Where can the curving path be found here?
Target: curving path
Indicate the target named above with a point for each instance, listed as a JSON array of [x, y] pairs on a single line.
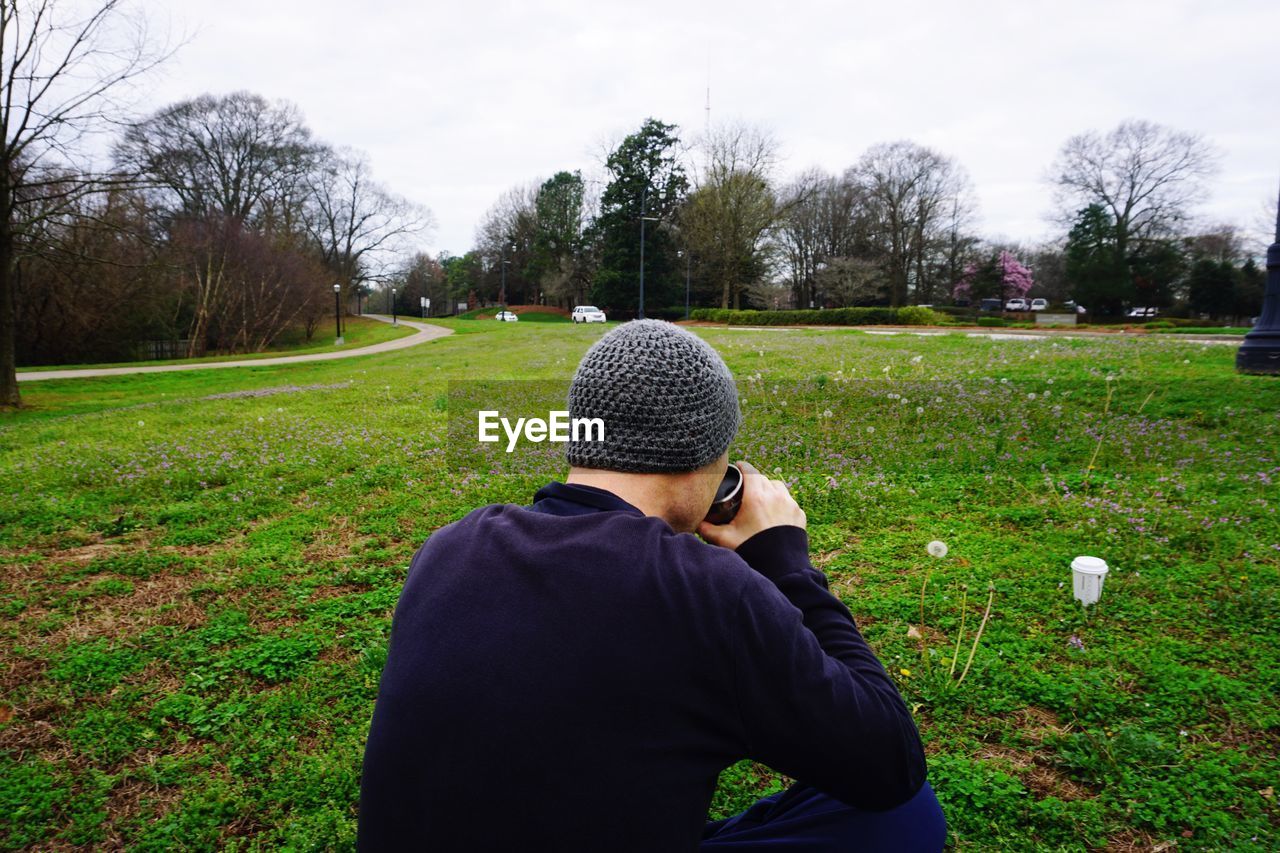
[[425, 333]]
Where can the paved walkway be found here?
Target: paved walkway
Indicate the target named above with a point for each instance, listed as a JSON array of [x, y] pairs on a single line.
[[425, 333], [977, 332]]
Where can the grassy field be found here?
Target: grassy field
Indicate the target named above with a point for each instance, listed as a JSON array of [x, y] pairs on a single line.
[[201, 567], [357, 332]]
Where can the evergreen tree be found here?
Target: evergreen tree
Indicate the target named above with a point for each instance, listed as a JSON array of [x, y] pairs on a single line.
[[1096, 270], [1212, 287], [647, 180]]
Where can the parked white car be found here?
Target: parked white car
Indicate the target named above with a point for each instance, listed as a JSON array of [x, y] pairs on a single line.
[[1039, 304], [587, 314], [506, 317], [1143, 312], [1018, 304]]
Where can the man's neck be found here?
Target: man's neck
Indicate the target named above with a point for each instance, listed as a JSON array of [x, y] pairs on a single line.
[[657, 495]]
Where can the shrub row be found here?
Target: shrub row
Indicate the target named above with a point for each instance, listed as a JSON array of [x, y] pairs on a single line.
[[909, 316]]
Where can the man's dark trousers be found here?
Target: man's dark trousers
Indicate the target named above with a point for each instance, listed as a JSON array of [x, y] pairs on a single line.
[[804, 820]]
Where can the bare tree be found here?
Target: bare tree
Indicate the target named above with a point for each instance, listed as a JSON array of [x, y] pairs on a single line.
[[1145, 175], [61, 69], [506, 237], [233, 156], [216, 165], [823, 221], [357, 225], [733, 207], [909, 192], [851, 281]]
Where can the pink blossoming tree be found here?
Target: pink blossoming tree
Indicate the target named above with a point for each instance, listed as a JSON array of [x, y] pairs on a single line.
[[1000, 275]]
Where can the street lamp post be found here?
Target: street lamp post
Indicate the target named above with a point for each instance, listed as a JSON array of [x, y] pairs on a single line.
[[643, 220], [393, 306], [337, 314], [688, 272], [502, 297], [1260, 352]]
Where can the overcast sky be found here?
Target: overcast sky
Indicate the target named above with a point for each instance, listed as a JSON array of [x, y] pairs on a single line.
[[456, 102]]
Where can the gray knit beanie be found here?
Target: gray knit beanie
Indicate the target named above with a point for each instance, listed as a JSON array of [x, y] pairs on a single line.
[[666, 398]]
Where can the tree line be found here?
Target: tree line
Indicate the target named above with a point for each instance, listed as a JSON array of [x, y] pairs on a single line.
[[215, 224], [226, 225], [897, 227]]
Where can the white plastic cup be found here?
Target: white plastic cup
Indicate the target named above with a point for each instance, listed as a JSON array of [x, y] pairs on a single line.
[[1087, 575]]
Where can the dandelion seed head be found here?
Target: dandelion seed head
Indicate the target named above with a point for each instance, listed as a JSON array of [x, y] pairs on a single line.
[[937, 548]]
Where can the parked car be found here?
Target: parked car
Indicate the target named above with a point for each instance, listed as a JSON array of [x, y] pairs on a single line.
[[1039, 304], [1017, 304], [989, 305], [1079, 309], [587, 314], [506, 317], [1143, 312]]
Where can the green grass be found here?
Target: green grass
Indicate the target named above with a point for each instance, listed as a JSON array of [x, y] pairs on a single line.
[[198, 588], [1205, 330], [357, 332], [530, 317], [543, 317]]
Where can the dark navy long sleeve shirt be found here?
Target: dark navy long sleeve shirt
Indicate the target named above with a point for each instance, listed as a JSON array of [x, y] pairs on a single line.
[[574, 675]]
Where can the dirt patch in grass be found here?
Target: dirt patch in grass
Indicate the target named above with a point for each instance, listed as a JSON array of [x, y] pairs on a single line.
[[20, 571], [1133, 841], [334, 543], [32, 733], [160, 600], [1045, 781], [133, 794], [17, 671], [1037, 724]]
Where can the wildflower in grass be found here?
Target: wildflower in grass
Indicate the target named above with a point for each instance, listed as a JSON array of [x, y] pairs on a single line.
[[919, 410], [936, 548], [1076, 643], [826, 413], [871, 429], [917, 359], [906, 672], [1031, 395]]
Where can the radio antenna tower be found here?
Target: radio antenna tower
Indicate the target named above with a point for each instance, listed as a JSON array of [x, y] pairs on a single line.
[[708, 127]]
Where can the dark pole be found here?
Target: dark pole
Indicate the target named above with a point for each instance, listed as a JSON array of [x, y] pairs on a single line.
[[643, 191], [1260, 352], [688, 271], [337, 315], [393, 306]]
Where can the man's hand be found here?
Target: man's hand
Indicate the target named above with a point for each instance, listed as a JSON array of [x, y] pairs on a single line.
[[765, 503]]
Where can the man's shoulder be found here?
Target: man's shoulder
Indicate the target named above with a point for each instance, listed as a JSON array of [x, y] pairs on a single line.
[[625, 536]]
